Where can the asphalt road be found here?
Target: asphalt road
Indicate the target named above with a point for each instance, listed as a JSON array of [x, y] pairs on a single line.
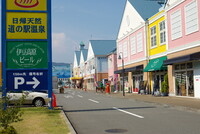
[[92, 113]]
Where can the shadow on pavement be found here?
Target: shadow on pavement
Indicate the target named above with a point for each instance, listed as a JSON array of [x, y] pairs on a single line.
[[104, 109]]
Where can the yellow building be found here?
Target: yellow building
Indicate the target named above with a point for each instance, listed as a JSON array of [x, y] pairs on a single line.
[[156, 50]]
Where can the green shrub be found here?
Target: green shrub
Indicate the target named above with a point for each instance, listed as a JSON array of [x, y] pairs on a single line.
[[9, 115], [165, 85]]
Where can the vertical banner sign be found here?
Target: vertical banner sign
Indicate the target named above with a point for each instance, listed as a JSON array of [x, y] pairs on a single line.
[[26, 46]]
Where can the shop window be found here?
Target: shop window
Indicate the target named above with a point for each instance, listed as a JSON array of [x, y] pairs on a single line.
[[189, 65], [190, 83], [177, 67], [183, 66]]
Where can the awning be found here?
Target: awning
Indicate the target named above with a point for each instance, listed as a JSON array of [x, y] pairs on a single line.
[[136, 68], [76, 78], [190, 57], [156, 64], [118, 71]]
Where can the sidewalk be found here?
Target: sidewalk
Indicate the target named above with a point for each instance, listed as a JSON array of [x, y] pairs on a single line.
[[189, 103]]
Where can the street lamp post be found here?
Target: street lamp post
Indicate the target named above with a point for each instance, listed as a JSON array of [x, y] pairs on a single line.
[[122, 58]]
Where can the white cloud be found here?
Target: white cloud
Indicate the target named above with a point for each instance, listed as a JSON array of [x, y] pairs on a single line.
[[61, 49]]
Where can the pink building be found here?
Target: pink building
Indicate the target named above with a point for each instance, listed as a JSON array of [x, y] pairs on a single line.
[[131, 43], [183, 22], [112, 67]]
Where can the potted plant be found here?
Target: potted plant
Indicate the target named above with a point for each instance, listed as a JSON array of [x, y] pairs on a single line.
[[165, 86]]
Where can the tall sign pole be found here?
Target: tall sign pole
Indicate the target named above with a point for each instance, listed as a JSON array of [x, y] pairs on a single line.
[[26, 46]]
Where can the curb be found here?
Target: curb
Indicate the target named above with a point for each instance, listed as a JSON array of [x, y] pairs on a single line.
[[72, 131]]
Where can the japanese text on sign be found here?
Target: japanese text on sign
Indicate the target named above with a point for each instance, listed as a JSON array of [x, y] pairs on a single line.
[[26, 26]]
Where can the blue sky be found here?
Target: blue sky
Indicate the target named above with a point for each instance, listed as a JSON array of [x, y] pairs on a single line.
[[74, 21]]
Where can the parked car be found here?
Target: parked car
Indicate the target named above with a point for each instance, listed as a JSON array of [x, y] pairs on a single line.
[[37, 99]]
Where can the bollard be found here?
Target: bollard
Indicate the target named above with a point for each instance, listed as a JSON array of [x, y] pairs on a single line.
[[54, 100]]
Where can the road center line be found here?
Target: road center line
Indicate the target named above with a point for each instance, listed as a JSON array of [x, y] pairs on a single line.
[[68, 96], [128, 112], [80, 96], [93, 101]]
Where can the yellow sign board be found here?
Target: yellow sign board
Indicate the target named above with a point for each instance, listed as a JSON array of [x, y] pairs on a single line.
[[26, 25], [38, 5]]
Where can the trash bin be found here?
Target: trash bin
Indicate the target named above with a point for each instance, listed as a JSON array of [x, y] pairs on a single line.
[[61, 90]]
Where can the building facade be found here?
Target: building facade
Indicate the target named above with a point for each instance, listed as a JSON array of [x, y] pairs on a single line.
[[131, 43], [97, 62], [156, 46], [183, 22]]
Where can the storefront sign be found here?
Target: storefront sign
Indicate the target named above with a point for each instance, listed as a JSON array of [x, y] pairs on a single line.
[[40, 5], [27, 80], [26, 26], [26, 55]]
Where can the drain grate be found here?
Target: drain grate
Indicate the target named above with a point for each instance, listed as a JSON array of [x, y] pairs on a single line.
[[116, 130]]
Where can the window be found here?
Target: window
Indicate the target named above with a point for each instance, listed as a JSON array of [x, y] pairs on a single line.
[[162, 32], [133, 45], [153, 36], [125, 50], [139, 42], [119, 48], [176, 31], [191, 17]]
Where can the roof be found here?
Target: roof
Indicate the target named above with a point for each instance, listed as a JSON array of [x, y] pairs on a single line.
[[146, 8], [113, 51], [103, 47], [60, 64], [85, 51], [78, 54]]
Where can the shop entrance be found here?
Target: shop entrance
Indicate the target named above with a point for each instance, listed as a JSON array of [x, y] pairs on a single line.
[[136, 82], [158, 78]]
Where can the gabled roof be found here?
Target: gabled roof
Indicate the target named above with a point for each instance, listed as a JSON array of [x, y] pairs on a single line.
[[102, 47], [78, 54], [146, 8], [113, 51], [84, 52]]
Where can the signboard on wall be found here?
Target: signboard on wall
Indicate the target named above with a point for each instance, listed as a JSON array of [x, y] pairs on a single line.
[[26, 45]]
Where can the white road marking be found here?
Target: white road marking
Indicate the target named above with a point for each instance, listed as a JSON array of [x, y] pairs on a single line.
[[68, 96], [128, 112], [93, 101], [80, 96]]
